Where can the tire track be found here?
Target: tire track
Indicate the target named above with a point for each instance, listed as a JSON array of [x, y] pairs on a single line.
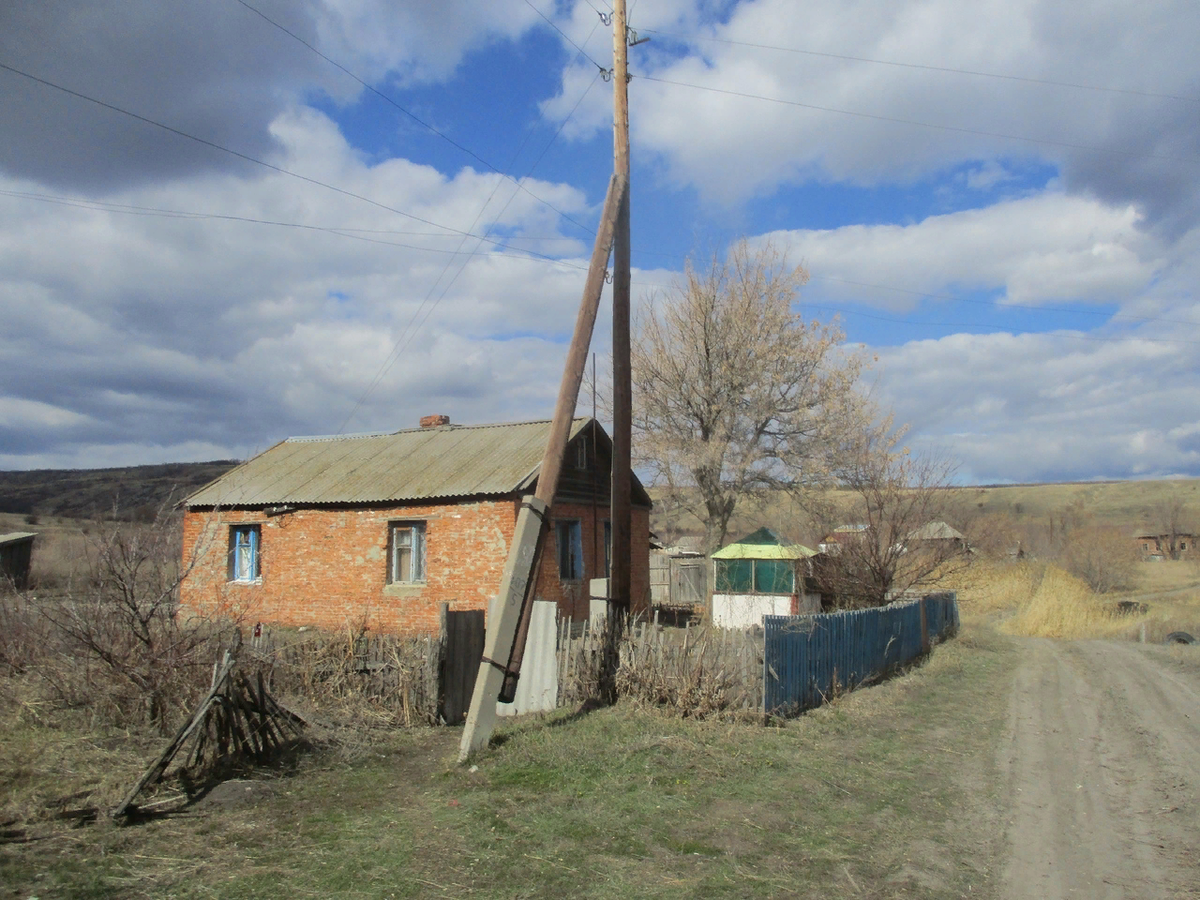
[[1101, 762]]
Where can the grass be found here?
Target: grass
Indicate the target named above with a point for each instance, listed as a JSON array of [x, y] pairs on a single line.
[[888, 792]]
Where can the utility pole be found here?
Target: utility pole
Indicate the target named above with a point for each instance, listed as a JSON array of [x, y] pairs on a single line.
[[619, 576], [508, 621]]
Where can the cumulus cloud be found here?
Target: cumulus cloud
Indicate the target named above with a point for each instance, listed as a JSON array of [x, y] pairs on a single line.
[[217, 71], [847, 119], [1046, 248], [1040, 407], [226, 333]]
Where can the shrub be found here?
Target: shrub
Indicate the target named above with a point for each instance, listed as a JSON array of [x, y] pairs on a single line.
[[123, 651]]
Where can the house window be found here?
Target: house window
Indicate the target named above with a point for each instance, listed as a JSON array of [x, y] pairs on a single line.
[[406, 555], [244, 552], [581, 457], [569, 535], [1146, 546], [1183, 545]]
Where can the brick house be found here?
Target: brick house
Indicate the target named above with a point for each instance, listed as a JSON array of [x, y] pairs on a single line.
[[1152, 545], [383, 528]]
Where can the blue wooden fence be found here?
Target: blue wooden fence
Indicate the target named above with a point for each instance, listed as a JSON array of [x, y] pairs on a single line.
[[807, 658]]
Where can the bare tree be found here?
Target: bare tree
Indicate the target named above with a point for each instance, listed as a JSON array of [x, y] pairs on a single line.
[[1171, 523], [735, 394], [1101, 555], [901, 541], [122, 614]]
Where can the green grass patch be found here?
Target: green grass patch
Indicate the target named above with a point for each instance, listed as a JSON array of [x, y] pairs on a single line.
[[888, 792]]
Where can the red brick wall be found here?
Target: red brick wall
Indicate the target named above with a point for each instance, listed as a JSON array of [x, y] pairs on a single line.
[[328, 567], [571, 597]]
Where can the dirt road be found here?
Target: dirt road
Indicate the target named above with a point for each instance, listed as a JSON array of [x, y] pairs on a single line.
[[1101, 766]]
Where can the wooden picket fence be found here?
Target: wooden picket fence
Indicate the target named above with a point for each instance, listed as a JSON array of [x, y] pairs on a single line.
[[399, 676], [694, 671]]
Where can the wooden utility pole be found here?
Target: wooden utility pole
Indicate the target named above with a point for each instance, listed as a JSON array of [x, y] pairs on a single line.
[[619, 576], [508, 619]]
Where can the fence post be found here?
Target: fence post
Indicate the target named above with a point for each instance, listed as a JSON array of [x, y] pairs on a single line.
[[924, 627]]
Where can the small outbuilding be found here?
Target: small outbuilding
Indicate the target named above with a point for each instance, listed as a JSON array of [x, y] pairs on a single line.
[[16, 552], [760, 575]]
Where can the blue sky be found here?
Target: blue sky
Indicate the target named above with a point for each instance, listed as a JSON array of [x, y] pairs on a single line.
[[999, 201]]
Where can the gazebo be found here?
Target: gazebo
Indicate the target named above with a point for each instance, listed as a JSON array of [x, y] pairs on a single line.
[[760, 575]]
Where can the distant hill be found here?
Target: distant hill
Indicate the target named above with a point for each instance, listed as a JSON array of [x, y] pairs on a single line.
[[134, 492], [1123, 504]]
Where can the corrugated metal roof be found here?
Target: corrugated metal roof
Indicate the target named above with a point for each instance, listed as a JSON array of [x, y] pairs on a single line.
[[414, 464], [763, 544], [936, 531], [14, 536]]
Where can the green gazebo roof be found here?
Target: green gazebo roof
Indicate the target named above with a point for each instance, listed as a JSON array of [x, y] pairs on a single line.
[[763, 544]]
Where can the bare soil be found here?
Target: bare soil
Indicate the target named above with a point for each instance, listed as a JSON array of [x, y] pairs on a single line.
[[1100, 765]]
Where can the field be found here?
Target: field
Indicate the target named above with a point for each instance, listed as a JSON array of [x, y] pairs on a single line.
[[887, 792], [897, 790], [1124, 505]]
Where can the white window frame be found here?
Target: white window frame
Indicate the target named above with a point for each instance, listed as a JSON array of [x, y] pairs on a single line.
[[410, 536], [245, 554], [568, 535]]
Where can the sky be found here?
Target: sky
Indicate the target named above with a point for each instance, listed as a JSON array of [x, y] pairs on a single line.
[[227, 223]]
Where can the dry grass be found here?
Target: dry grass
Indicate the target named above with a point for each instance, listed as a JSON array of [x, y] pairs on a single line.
[[1063, 606], [995, 587], [1168, 575]]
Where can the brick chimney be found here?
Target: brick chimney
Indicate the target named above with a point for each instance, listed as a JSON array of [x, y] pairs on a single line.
[[434, 421]]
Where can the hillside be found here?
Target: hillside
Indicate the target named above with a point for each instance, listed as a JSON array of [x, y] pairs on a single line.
[[133, 491], [1127, 505]]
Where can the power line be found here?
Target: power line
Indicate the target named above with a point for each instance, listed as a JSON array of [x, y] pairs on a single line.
[[410, 114], [565, 36], [410, 332], [248, 158], [952, 128], [360, 234], [340, 230], [929, 68]]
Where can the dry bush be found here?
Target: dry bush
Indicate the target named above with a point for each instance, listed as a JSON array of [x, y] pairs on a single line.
[[115, 645], [354, 678], [25, 637], [1102, 556], [60, 559], [1063, 606], [698, 674]]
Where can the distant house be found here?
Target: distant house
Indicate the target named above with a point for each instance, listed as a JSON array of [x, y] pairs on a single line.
[[833, 542], [760, 575], [16, 552], [383, 528], [1154, 545], [938, 535]]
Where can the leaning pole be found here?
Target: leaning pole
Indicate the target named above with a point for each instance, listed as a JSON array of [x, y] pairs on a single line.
[[508, 625]]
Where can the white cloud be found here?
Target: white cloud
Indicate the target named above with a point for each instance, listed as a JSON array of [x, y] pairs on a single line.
[[1036, 407], [846, 119], [1037, 250], [227, 335]]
